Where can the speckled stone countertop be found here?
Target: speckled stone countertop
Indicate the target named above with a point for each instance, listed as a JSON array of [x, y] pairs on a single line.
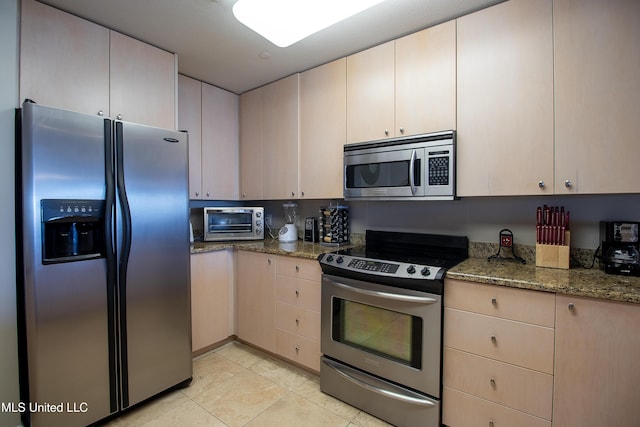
[[298, 249], [576, 281]]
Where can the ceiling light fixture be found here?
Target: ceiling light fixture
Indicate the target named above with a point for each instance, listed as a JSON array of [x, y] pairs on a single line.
[[285, 22]]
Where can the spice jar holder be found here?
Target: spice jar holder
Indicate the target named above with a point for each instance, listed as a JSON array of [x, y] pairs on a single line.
[[334, 225]]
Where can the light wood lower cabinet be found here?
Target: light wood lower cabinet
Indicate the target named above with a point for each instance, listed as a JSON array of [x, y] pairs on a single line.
[[597, 373], [498, 356], [255, 299], [211, 305], [298, 311]]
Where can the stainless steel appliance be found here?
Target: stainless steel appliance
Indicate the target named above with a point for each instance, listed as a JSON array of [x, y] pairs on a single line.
[[420, 167], [233, 223], [381, 324], [620, 247], [103, 264]]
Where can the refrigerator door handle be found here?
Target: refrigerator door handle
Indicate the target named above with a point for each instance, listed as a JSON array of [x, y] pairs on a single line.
[[112, 266], [125, 251]]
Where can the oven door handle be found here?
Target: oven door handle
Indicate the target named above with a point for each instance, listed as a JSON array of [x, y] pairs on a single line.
[[412, 171], [379, 390], [386, 295]]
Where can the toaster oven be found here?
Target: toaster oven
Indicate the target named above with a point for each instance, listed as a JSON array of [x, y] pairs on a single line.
[[233, 223]]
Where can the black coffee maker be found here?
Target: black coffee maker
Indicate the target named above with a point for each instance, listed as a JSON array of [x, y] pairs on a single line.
[[620, 247]]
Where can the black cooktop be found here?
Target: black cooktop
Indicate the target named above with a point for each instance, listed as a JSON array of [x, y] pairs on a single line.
[[408, 260]]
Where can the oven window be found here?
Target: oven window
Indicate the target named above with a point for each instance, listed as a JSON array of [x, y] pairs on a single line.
[[229, 222], [387, 174], [386, 333]]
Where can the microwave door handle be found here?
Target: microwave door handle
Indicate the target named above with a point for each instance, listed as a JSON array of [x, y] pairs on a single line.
[[386, 295], [412, 168]]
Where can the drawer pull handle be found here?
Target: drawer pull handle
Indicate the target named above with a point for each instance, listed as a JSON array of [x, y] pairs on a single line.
[[494, 340], [492, 381], [494, 301]]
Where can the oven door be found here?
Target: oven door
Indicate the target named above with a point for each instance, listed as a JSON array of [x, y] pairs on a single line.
[[384, 173], [390, 332]]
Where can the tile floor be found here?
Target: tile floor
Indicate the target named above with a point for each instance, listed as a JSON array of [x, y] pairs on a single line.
[[236, 385]]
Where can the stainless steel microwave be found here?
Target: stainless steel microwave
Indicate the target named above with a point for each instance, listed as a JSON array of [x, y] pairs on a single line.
[[420, 167], [233, 223]]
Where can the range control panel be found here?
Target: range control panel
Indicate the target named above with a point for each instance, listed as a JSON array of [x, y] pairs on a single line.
[[381, 267]]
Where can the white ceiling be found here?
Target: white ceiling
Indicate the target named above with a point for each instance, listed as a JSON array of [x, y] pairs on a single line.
[[214, 47]]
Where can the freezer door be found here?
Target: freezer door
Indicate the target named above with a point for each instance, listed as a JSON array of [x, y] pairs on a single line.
[[65, 316], [154, 266]]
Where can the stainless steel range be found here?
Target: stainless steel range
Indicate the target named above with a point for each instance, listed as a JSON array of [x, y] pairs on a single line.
[[382, 324]]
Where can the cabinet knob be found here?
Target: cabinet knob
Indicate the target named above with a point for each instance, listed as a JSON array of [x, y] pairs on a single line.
[[541, 184], [297, 322], [571, 307], [269, 261], [401, 130], [302, 193], [386, 132], [119, 117], [197, 194], [494, 301], [293, 194], [492, 381], [297, 268], [568, 184], [208, 194], [297, 349], [491, 423], [494, 340], [244, 195], [297, 293], [101, 113]]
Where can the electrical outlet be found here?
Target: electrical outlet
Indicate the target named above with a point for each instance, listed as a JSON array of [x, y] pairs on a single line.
[[268, 219]]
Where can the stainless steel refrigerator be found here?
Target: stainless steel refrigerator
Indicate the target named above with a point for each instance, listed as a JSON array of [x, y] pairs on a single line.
[[103, 274]]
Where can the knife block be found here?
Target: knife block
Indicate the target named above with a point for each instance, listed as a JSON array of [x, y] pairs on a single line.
[[554, 256]]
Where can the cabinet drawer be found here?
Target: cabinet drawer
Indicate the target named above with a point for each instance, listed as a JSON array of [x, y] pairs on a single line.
[[522, 305], [299, 349], [518, 388], [464, 410], [298, 267], [298, 320], [518, 343], [299, 292]]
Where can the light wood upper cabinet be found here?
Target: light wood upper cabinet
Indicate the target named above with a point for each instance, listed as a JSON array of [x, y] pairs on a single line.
[[251, 150], [280, 103], [425, 80], [190, 119], [220, 167], [143, 82], [322, 130], [596, 370], [68, 62], [597, 78], [505, 100], [371, 93], [64, 60]]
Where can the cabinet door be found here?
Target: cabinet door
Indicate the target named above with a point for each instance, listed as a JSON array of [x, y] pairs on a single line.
[[505, 100], [210, 301], [597, 78], [255, 303], [596, 368], [425, 79], [64, 60], [323, 127], [280, 133], [143, 82], [371, 94], [251, 145], [190, 119], [219, 144]]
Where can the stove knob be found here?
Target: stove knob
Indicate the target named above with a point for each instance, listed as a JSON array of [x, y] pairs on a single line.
[[330, 258], [411, 269], [425, 271], [339, 260]]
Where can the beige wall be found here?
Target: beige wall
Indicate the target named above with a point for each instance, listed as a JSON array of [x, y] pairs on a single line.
[[8, 102]]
